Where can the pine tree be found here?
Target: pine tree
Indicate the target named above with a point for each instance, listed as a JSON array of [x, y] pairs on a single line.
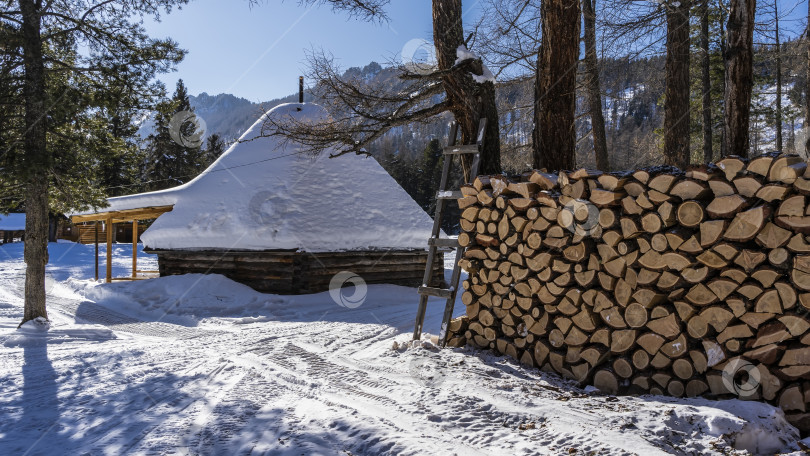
[[214, 147], [32, 32], [173, 152]]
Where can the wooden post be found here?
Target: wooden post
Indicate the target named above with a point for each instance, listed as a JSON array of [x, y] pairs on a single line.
[[134, 248], [109, 248], [95, 225]]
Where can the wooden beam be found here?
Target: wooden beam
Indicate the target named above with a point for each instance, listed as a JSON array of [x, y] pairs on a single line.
[[109, 248], [134, 248], [128, 215]]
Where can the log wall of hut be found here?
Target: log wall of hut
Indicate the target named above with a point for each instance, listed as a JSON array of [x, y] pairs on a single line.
[[68, 231], [8, 237], [86, 233], [292, 272], [656, 281]]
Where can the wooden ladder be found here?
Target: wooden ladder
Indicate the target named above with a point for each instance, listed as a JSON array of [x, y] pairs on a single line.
[[434, 243]]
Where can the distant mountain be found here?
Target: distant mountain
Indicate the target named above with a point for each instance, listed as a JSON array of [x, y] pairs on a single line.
[[632, 104], [224, 114]]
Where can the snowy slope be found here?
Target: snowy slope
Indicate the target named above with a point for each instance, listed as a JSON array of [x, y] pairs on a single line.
[[202, 365], [262, 194]]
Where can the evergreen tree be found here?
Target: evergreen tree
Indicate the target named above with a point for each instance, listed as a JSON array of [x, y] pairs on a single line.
[[173, 152], [41, 43], [214, 147], [420, 177]]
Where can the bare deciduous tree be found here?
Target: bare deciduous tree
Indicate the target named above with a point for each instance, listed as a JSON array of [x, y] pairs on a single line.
[[459, 83]]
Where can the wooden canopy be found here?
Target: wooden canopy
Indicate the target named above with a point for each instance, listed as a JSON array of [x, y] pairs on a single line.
[[122, 216]]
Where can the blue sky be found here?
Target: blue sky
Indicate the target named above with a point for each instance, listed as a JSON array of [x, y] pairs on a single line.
[[258, 53]]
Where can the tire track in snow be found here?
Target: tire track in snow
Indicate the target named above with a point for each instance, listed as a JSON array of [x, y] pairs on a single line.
[[91, 313]]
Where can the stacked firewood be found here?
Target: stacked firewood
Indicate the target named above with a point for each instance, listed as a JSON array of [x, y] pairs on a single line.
[[658, 281]]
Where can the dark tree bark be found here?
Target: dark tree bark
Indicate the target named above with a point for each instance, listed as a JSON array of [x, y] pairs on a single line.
[[53, 227], [554, 145], [593, 86], [37, 162], [739, 75], [469, 101], [778, 43], [723, 47], [706, 80], [807, 84], [676, 105]]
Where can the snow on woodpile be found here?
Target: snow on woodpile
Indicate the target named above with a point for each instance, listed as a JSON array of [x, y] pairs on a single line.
[[262, 194], [12, 222]]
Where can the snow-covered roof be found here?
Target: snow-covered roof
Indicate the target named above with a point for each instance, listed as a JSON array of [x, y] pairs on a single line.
[[12, 222], [265, 195]]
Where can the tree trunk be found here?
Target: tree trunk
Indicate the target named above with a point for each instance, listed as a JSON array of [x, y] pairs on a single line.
[[593, 86], [807, 87], [37, 163], [723, 47], [707, 82], [469, 101], [555, 89], [53, 227], [676, 107], [778, 80], [739, 75]]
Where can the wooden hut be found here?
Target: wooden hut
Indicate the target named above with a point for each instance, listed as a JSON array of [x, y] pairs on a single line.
[[12, 226], [272, 215]]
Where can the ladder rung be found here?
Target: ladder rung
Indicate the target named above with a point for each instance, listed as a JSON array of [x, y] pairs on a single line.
[[456, 150], [443, 242], [450, 195], [437, 292]]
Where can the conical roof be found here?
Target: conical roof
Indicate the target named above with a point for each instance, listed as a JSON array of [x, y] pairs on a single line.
[[264, 194]]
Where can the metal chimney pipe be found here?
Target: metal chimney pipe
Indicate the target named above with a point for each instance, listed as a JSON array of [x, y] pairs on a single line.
[[301, 89]]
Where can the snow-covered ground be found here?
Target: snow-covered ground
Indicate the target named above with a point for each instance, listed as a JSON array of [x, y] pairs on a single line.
[[202, 365]]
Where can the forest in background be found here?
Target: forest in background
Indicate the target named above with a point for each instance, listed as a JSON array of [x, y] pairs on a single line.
[[632, 106]]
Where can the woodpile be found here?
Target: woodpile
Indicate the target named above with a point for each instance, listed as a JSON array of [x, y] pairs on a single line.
[[658, 281]]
